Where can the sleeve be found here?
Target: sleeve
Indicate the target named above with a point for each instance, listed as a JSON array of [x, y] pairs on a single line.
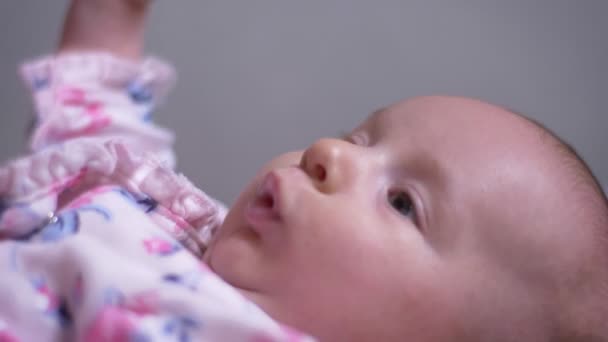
[[97, 95], [93, 130]]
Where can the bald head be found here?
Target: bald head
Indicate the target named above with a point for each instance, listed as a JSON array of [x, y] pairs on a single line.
[[585, 291], [579, 183], [583, 179], [586, 307], [539, 212]]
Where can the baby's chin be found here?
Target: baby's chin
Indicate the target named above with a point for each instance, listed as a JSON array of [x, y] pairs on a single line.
[[234, 255], [259, 299]]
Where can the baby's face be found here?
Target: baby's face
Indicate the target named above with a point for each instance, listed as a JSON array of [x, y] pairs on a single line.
[[412, 226]]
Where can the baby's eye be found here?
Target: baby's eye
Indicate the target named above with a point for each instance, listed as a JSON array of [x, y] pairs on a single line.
[[402, 202], [357, 138]]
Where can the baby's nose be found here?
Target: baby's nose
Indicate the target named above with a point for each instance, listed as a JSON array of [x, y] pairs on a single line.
[[329, 163]]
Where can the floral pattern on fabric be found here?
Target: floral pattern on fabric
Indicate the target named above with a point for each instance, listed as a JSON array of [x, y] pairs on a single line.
[[100, 240]]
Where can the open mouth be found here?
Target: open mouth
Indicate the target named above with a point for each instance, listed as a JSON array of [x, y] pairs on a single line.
[[264, 208]]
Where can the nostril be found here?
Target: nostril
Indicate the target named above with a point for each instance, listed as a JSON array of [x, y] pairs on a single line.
[[319, 173], [266, 201]]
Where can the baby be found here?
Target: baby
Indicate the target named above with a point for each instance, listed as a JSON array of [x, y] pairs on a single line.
[[437, 219]]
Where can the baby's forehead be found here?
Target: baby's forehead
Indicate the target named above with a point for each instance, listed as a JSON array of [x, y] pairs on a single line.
[[433, 112], [448, 125]]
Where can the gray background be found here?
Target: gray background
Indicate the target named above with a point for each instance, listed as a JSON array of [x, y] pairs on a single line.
[[262, 77]]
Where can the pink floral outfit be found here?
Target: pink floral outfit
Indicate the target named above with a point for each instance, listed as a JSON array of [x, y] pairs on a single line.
[[100, 240]]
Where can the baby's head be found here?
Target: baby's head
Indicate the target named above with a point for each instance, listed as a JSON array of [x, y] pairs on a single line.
[[438, 219]]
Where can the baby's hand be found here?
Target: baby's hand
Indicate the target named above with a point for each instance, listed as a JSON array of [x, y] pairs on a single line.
[[114, 5], [113, 26]]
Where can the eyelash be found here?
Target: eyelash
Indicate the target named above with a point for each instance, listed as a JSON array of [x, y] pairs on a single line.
[[400, 194], [358, 139]]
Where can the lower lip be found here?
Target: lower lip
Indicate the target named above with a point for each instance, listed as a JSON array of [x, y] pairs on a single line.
[[256, 215]]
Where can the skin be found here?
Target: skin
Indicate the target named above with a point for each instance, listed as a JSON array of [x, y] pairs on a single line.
[[477, 261], [112, 26]]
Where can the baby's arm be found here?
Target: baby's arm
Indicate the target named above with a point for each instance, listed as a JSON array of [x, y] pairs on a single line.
[[114, 26], [93, 98], [96, 86]]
